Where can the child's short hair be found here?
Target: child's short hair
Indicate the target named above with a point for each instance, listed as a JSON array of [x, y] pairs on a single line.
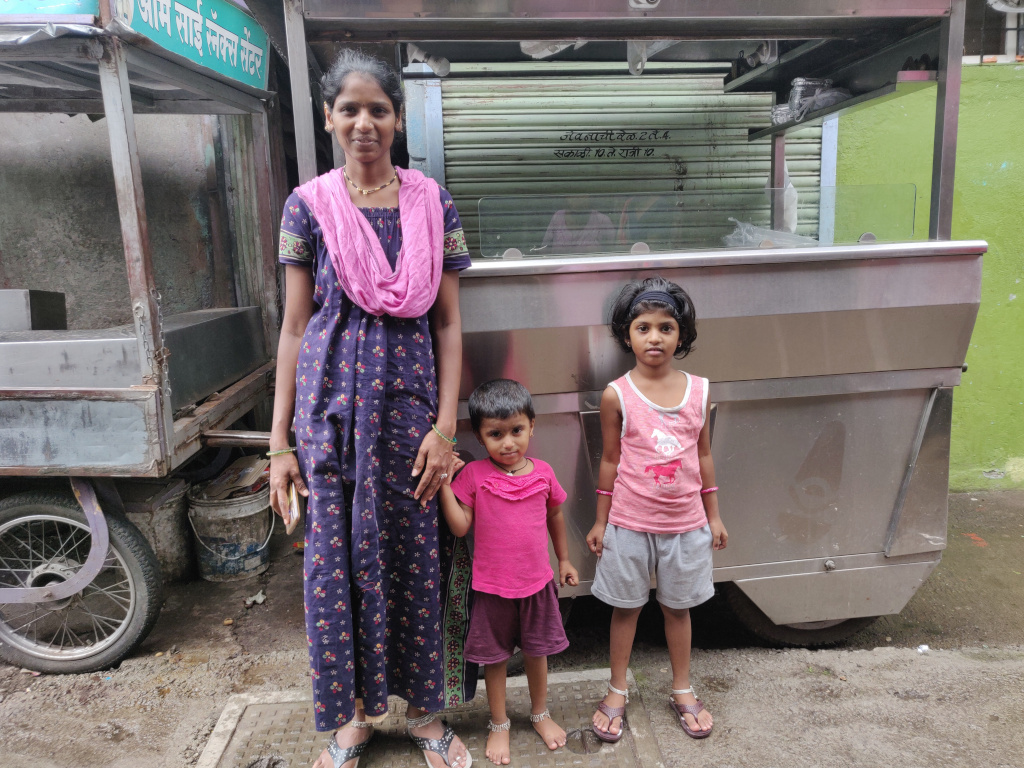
[[626, 309], [499, 399]]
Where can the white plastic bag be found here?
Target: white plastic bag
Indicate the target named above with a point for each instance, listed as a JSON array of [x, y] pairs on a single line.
[[747, 235]]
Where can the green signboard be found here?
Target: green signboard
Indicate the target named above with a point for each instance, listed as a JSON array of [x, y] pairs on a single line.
[[49, 7], [213, 33]]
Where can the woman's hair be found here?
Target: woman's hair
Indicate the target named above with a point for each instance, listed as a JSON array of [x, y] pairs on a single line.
[[499, 399], [351, 61], [624, 312]]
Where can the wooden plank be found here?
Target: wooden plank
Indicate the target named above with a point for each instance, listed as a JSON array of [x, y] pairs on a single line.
[[219, 410], [131, 204], [268, 221]]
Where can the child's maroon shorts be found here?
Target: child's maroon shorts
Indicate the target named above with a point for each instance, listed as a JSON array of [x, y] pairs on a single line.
[[498, 624]]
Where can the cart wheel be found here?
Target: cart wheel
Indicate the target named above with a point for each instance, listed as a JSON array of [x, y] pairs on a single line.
[[810, 634], [44, 539]]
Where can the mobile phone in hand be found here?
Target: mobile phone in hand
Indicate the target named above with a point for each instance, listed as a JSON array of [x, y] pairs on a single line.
[[296, 506]]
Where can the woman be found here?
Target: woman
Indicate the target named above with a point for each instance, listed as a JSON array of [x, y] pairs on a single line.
[[372, 255]]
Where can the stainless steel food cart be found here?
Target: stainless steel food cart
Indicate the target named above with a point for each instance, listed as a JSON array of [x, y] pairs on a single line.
[[132, 401], [832, 367]]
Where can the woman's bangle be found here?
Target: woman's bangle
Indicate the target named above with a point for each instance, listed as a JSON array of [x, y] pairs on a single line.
[[443, 436], [603, 493], [282, 452], [712, 489]]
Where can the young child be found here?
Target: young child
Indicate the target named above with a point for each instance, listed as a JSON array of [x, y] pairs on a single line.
[[513, 503], [657, 511]]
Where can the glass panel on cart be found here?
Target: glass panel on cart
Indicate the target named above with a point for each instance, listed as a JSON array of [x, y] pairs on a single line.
[[521, 226]]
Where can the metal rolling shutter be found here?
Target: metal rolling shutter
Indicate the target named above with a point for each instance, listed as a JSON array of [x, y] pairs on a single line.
[[649, 134]]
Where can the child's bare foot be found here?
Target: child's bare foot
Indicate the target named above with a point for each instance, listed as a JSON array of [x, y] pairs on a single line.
[[703, 721], [498, 750], [345, 737], [611, 726], [552, 733]]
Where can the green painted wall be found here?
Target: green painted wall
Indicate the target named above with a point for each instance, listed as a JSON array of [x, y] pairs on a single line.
[[892, 143]]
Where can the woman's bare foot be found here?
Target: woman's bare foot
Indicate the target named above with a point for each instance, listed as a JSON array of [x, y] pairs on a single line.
[[348, 736], [498, 749], [551, 732], [601, 722], [458, 755], [702, 721]]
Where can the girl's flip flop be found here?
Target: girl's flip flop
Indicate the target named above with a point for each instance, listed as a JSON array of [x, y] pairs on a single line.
[[689, 709], [611, 713]]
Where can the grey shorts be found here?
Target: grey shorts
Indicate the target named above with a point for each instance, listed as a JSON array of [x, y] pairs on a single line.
[[680, 561]]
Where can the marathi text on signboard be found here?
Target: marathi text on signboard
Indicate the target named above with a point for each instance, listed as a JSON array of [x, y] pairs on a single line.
[[213, 33]]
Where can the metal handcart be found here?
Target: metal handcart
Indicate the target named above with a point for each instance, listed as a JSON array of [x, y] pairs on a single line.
[[832, 366], [79, 586]]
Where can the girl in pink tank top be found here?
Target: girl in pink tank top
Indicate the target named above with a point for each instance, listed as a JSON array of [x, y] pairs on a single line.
[[657, 507]]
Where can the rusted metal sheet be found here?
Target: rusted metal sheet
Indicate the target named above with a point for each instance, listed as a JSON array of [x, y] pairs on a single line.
[[86, 432]]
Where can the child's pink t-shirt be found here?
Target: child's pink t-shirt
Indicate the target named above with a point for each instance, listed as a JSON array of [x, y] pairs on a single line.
[[510, 526], [657, 489]]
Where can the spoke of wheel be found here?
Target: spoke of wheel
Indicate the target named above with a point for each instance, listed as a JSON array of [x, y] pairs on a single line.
[[110, 593], [29, 623], [6, 559]]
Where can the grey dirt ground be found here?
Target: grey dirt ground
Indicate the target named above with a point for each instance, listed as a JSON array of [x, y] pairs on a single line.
[[875, 701]]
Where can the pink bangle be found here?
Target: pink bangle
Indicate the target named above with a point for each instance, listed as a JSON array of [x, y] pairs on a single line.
[[712, 489], [604, 493]]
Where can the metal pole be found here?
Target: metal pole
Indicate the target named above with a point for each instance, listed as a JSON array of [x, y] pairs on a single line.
[[778, 180], [947, 108], [302, 99], [131, 204]]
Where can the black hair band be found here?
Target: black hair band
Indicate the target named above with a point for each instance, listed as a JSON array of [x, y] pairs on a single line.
[[660, 296]]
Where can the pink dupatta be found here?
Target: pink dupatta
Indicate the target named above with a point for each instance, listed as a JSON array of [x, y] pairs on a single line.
[[356, 253]]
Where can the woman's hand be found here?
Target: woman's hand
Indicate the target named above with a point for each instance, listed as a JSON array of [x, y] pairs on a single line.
[[284, 470], [432, 466]]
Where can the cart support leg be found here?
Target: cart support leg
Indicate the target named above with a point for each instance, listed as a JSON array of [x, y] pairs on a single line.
[[947, 106], [298, 70], [93, 563]]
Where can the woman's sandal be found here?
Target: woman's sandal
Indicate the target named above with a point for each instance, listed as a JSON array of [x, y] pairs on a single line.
[[341, 755], [689, 709], [438, 746], [611, 713]]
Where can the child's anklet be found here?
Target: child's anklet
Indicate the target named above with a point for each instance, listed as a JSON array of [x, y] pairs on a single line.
[[507, 725], [537, 718]]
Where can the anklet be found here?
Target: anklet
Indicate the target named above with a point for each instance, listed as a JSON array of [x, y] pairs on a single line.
[[419, 722], [624, 694], [507, 725], [537, 718], [359, 724], [682, 691]]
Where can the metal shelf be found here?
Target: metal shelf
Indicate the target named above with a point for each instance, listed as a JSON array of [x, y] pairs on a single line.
[[906, 82]]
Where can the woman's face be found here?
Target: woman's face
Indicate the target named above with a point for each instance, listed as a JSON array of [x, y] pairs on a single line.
[[363, 119]]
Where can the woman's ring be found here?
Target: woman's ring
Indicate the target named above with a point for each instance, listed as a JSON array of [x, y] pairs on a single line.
[[443, 475]]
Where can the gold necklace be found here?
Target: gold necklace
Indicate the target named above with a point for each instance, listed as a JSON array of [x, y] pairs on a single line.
[[367, 191], [510, 472]]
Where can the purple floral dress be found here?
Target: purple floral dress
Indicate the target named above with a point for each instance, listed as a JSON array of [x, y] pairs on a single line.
[[386, 584]]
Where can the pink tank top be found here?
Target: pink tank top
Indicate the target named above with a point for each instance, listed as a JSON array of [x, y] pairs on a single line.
[[657, 489]]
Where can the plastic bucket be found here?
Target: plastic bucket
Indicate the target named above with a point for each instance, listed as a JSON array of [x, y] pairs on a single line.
[[232, 535]]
